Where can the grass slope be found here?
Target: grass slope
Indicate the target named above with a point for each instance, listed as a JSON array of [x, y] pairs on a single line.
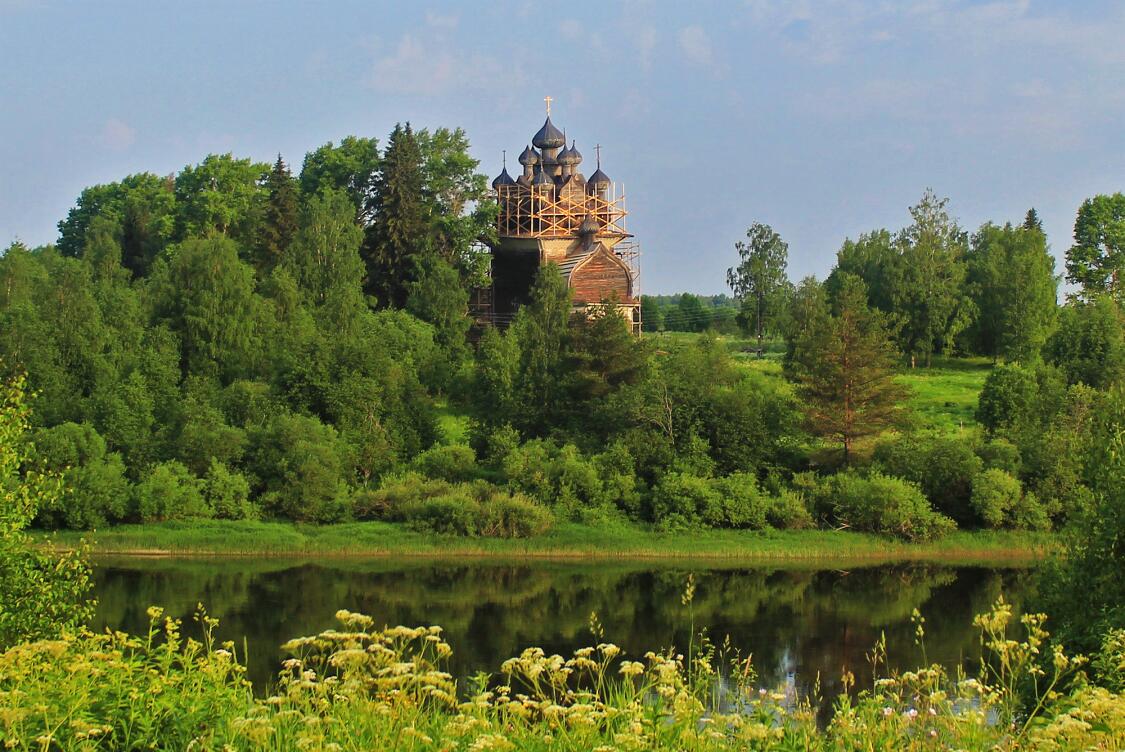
[[622, 541]]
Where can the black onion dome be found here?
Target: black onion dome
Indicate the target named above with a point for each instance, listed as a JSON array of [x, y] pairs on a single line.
[[573, 156], [542, 178], [529, 156], [589, 226], [598, 180], [549, 137], [503, 179], [569, 156]]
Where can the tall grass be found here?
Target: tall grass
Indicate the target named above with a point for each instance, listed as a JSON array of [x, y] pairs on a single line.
[[567, 540], [361, 687]]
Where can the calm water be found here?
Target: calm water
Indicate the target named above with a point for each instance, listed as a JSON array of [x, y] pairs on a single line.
[[798, 623]]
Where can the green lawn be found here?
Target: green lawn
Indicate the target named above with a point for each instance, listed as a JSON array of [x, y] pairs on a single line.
[[945, 394], [453, 426], [607, 542]]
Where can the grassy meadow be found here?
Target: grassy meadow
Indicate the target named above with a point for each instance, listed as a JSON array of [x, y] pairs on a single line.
[[564, 541]]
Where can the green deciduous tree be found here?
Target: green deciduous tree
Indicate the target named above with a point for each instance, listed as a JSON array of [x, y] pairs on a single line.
[[1089, 345], [927, 284], [40, 593], [1096, 261], [206, 295], [222, 194], [759, 282], [1011, 279], [873, 258], [351, 166], [843, 367]]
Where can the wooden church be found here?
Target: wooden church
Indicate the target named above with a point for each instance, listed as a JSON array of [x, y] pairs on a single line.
[[552, 213]]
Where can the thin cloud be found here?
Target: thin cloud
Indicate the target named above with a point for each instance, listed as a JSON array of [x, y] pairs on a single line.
[[696, 46], [117, 135], [430, 66]]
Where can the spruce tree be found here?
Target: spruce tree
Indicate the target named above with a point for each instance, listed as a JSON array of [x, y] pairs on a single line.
[[399, 234], [1032, 221], [844, 368], [280, 223]]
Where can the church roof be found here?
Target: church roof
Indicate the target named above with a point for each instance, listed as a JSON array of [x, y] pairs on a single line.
[[503, 179], [549, 137], [529, 156]]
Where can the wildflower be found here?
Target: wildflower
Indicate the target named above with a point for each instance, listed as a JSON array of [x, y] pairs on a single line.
[[888, 711], [933, 733], [631, 668], [609, 650], [911, 714]]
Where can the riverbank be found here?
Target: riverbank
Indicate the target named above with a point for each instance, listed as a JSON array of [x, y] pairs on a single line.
[[568, 541]]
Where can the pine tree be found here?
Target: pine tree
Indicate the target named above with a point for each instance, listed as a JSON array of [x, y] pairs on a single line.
[[280, 223], [843, 367], [1032, 220], [399, 233]]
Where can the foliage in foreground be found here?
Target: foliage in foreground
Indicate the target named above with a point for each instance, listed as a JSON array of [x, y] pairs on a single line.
[[39, 592], [361, 687]]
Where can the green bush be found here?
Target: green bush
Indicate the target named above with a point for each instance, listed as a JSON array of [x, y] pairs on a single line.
[[455, 513], [299, 463], [1030, 514], [558, 476], [170, 492], [453, 463], [1000, 454], [227, 492], [681, 501], [742, 504], [506, 515], [787, 510], [942, 467], [995, 495], [95, 489], [881, 504], [395, 492]]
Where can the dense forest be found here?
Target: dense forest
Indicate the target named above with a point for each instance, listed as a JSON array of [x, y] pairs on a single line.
[[236, 341]]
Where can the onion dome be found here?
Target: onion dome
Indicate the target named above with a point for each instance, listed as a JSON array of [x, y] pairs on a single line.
[[597, 182], [542, 178], [503, 179], [589, 226], [569, 156], [549, 137], [529, 157]]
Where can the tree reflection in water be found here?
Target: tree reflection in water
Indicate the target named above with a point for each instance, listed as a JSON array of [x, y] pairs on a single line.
[[798, 623]]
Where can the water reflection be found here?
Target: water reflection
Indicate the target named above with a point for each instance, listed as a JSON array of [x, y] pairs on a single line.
[[798, 623]]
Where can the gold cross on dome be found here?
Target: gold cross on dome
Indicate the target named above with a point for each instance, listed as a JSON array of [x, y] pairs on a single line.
[[548, 100]]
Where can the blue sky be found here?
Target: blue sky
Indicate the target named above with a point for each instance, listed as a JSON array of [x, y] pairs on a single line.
[[823, 119]]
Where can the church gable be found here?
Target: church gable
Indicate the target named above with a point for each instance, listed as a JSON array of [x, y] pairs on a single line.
[[599, 277]]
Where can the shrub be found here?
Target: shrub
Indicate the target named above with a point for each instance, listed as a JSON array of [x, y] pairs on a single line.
[[942, 467], [617, 471], [394, 493], [455, 513], [506, 515], [788, 511], [558, 476], [170, 492], [299, 463], [95, 490], [1000, 454], [227, 492], [885, 505], [453, 463], [995, 495], [741, 503], [682, 500], [1030, 514]]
